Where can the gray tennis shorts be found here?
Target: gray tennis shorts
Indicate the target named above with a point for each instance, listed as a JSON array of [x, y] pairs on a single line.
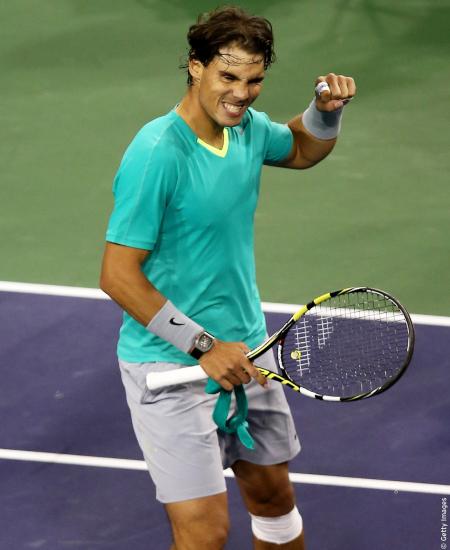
[[184, 451]]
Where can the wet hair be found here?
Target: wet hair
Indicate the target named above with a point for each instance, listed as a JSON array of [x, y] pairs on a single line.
[[224, 26]]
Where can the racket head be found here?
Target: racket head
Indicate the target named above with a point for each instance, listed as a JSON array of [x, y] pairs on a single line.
[[347, 345]]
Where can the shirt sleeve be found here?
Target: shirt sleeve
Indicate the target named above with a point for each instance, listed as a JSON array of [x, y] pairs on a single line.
[[142, 189], [278, 138]]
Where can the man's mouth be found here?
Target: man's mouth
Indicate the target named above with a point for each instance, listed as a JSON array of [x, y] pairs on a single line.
[[233, 109]]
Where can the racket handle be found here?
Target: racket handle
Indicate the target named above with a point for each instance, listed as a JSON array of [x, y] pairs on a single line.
[[157, 380]]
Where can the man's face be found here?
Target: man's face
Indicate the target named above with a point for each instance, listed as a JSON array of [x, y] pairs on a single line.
[[229, 84]]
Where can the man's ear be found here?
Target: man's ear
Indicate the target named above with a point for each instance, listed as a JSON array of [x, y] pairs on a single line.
[[195, 70]]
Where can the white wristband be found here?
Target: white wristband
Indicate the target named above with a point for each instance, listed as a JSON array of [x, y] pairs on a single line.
[[321, 124], [175, 327]]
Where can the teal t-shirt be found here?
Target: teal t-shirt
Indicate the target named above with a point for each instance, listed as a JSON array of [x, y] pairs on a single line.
[[193, 206]]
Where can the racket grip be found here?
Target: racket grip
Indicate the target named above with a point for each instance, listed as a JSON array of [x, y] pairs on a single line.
[[157, 380]]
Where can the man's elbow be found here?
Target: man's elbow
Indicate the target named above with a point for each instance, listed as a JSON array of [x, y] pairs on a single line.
[[121, 269], [105, 282], [109, 278]]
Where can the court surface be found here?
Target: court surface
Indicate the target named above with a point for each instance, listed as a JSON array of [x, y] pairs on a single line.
[[371, 475]]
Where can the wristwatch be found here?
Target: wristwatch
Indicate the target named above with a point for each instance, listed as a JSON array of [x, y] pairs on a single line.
[[203, 343]]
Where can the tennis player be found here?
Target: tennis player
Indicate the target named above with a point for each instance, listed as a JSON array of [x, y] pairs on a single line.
[[179, 260]]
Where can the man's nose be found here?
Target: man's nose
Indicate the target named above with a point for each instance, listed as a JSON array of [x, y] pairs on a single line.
[[241, 91]]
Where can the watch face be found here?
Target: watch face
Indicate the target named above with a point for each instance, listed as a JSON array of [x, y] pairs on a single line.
[[205, 342]]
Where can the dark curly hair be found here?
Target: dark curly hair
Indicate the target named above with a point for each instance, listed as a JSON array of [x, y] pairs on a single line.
[[224, 26]]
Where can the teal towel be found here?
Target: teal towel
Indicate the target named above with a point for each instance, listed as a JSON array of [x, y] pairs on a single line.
[[238, 422]]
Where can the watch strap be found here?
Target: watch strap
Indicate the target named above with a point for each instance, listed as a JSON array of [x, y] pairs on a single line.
[[196, 353]]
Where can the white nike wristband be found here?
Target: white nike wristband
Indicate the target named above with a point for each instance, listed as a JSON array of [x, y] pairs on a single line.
[[175, 327], [321, 124]]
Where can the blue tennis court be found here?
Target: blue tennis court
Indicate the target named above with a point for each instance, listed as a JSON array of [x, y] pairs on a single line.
[[371, 474]]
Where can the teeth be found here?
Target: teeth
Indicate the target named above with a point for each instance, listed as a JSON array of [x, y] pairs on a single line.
[[232, 108]]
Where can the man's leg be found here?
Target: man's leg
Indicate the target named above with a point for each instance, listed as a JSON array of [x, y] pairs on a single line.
[[267, 492], [178, 438], [201, 523]]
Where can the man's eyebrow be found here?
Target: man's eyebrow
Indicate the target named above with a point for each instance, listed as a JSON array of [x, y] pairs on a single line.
[[259, 78]]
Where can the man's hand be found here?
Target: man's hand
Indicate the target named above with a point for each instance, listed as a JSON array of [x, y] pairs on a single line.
[[227, 364], [339, 91]]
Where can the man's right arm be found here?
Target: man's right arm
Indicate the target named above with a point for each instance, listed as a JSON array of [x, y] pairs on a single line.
[[123, 280]]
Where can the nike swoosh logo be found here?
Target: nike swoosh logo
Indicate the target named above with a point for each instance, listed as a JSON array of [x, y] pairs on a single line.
[[172, 322]]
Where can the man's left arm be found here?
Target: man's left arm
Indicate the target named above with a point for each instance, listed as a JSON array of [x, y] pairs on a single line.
[[315, 131]]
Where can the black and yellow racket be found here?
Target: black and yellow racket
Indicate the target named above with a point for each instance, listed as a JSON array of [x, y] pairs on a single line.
[[343, 346]]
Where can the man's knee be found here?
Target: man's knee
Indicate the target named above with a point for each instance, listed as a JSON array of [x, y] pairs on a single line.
[[267, 491], [201, 523], [272, 501], [200, 535]]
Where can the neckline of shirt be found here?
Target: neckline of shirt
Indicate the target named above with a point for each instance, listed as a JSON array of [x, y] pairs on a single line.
[[218, 151]]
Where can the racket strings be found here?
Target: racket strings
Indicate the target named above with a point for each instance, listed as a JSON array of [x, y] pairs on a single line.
[[349, 344]]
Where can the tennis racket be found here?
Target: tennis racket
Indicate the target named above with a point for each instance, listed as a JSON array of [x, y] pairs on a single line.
[[343, 346]]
